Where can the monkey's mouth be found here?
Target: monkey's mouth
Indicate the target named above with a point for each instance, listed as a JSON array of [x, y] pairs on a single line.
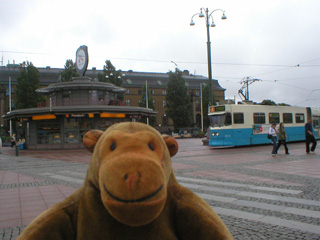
[[142, 199]]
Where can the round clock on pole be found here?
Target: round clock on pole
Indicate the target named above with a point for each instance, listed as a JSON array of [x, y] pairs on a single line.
[[82, 60]]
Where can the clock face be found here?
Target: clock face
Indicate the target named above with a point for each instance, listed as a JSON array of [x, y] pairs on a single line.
[[81, 59]]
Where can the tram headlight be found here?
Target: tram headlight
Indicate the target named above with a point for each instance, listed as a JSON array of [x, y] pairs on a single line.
[[215, 134]]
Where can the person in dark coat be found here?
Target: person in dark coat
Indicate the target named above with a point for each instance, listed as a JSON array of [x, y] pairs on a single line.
[[282, 136], [309, 136]]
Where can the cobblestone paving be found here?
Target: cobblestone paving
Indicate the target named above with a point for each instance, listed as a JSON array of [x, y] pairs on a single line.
[[256, 195]]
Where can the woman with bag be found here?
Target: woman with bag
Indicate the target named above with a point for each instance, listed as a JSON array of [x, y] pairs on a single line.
[[274, 137], [282, 136]]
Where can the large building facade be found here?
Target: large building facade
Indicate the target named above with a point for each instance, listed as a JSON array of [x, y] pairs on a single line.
[[132, 81]]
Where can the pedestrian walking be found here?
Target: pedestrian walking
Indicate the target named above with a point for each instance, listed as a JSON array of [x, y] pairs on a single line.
[[309, 136], [282, 136], [274, 137], [13, 140]]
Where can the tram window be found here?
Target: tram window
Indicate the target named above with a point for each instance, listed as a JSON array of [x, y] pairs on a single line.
[[299, 118], [259, 118], [219, 120], [315, 122], [274, 118], [238, 118], [228, 119], [287, 118]]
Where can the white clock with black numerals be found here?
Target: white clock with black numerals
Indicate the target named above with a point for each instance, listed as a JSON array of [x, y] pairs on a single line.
[[82, 60]]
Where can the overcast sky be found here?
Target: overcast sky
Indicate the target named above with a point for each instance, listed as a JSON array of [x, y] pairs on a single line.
[[277, 41]]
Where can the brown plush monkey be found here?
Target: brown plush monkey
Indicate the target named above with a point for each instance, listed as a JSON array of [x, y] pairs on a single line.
[[130, 192]]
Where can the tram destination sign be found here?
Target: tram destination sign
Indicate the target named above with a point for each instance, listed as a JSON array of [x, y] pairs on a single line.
[[217, 109]]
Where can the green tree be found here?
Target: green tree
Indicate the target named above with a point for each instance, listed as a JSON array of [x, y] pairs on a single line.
[[283, 104], [111, 75], [143, 103], [179, 107], [69, 71], [268, 102], [28, 82]]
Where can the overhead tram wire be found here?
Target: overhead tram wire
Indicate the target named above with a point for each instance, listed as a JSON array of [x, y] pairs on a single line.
[[182, 62]]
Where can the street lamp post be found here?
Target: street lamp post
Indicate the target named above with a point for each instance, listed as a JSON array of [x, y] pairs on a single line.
[[208, 17]]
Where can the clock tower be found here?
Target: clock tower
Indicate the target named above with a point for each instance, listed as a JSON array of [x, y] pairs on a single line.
[[82, 60]]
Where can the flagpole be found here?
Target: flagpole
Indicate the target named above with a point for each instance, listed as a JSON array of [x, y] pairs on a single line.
[[201, 107], [10, 106], [147, 101]]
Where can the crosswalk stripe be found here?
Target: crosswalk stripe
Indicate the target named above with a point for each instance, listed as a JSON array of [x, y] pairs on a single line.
[[230, 184], [64, 178], [253, 194], [306, 227]]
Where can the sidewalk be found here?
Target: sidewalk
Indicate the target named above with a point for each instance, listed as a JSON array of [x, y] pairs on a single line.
[[35, 180]]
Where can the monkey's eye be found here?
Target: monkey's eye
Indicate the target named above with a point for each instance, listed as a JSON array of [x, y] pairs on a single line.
[[113, 146], [151, 146]]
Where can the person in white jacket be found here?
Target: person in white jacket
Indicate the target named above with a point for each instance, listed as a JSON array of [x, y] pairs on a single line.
[[274, 137]]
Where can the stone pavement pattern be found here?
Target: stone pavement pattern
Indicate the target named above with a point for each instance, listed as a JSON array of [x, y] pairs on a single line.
[[256, 195]]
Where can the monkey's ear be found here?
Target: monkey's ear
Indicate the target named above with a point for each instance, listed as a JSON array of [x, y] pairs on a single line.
[[172, 145], [91, 138]]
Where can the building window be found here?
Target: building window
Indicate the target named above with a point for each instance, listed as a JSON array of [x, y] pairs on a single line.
[[71, 130], [299, 118], [152, 92], [164, 103], [238, 118], [154, 102], [129, 81], [287, 118], [164, 92], [198, 106], [100, 96], [66, 98], [164, 120], [48, 132], [139, 101], [128, 102], [139, 91], [159, 82], [274, 118], [259, 118], [197, 93], [128, 91]]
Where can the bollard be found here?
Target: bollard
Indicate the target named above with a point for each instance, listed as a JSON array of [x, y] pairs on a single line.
[[0, 145], [17, 149]]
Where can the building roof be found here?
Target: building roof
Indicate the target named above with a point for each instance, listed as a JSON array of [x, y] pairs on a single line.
[[81, 83], [62, 110], [130, 78]]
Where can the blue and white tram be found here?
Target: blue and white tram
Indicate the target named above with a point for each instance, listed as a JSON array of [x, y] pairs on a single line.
[[237, 125]]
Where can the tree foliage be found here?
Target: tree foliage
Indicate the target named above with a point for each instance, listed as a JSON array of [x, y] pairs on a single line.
[[111, 75], [143, 103], [268, 102], [283, 104], [179, 107], [28, 82], [69, 71]]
